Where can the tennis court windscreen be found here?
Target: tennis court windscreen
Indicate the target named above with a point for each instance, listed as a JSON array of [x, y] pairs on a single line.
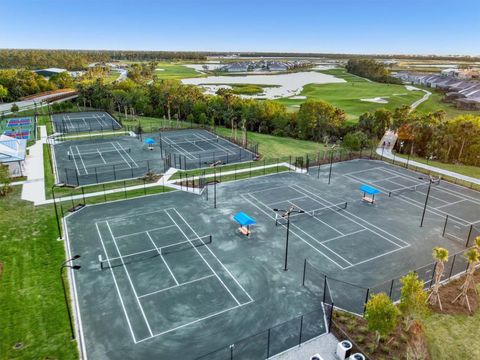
[[106, 263]]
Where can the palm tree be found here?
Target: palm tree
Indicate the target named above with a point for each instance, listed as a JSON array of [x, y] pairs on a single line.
[[441, 257], [472, 256]]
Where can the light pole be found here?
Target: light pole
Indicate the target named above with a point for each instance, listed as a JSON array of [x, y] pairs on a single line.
[[286, 213], [66, 264]]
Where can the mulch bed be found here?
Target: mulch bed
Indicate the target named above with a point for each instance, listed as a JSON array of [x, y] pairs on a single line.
[[450, 291]]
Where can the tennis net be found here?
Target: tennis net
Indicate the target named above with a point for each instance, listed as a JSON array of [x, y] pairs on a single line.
[[413, 188], [315, 212], [97, 153], [106, 263]]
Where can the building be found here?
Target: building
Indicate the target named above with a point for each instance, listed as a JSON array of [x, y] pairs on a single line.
[[49, 72], [12, 154]]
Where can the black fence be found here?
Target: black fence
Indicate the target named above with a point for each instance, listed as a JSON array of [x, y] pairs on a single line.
[[457, 231], [353, 298], [278, 338]]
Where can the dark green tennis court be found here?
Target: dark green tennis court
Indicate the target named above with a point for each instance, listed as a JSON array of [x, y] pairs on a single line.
[[87, 121], [169, 274]]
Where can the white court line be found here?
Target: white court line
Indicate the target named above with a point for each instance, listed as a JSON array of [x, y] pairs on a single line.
[[442, 189], [194, 321], [163, 259], [360, 171], [224, 148], [323, 222], [419, 205], [293, 232], [126, 162], [206, 262], [126, 153], [359, 218], [99, 153], [378, 256], [130, 280], [448, 204], [176, 286], [287, 200], [345, 235], [116, 285], [141, 232], [215, 256], [81, 159], [456, 237], [74, 161]]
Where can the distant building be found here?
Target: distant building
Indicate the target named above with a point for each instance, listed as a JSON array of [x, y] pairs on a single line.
[[237, 67], [277, 66], [49, 72]]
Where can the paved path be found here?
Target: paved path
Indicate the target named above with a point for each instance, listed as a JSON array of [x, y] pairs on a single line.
[[34, 188], [418, 102], [29, 104], [390, 138], [324, 345]]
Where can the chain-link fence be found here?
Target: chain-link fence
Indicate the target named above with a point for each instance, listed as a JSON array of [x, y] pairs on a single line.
[[460, 232]]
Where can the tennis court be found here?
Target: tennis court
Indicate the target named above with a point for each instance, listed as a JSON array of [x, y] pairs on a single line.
[[192, 149], [92, 161], [19, 128], [169, 274], [84, 122]]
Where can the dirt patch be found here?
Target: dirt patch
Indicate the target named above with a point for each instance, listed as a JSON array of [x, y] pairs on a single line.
[[1, 269], [450, 291]]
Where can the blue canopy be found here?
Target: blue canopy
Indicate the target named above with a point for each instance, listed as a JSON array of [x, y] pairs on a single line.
[[369, 190], [149, 141], [243, 219]]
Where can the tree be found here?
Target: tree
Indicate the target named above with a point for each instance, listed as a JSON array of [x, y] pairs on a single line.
[[355, 141], [62, 80], [441, 257], [316, 119], [4, 180], [381, 315], [412, 299], [472, 256], [3, 92], [14, 108]]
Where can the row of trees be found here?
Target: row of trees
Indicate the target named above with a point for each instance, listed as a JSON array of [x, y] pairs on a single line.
[[315, 120], [17, 83], [371, 69], [79, 59]]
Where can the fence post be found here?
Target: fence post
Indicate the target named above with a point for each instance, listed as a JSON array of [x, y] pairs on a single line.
[[268, 343], [331, 317], [301, 329], [324, 287], [445, 226], [125, 189], [304, 269], [391, 289], [104, 194], [366, 300], [451, 269], [468, 236], [433, 275]]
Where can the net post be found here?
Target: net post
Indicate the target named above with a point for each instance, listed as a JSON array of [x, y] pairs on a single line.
[[301, 330], [268, 343], [100, 260], [445, 226]]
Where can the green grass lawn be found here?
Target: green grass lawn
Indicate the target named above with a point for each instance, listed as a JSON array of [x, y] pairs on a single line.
[[175, 71], [453, 336], [473, 171], [32, 307], [275, 147], [347, 95]]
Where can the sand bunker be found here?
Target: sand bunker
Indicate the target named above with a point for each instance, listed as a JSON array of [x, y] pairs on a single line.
[[378, 100]]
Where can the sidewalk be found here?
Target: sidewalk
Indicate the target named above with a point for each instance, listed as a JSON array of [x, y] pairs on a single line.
[[386, 151], [34, 187]]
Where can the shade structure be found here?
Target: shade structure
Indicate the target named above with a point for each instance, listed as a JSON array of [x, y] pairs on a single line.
[[243, 219]]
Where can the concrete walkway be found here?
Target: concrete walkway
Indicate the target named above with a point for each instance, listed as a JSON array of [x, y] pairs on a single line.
[[389, 140], [324, 345], [34, 187]]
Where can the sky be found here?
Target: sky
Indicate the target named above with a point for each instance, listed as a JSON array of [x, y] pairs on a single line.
[[322, 26]]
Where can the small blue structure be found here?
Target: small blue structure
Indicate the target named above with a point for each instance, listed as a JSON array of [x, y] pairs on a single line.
[[245, 221], [149, 141], [370, 191]]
